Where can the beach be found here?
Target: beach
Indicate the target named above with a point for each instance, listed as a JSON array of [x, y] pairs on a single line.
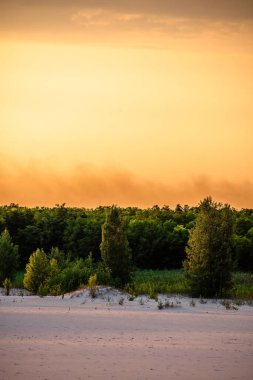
[[77, 337]]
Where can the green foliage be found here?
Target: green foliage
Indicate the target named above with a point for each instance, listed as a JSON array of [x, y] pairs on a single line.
[[74, 275], [152, 293], [43, 290], [242, 286], [77, 273], [52, 282], [37, 271], [58, 256], [152, 282], [175, 282], [243, 252], [103, 273], [8, 256], [157, 236], [45, 276], [7, 285], [92, 284], [18, 281], [114, 247], [208, 265], [157, 243]]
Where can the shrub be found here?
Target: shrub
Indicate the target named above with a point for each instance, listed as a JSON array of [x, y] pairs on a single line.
[[92, 283], [70, 278], [43, 290], [7, 285], [152, 293], [103, 273]]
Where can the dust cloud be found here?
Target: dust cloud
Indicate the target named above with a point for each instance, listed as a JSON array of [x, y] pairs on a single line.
[[90, 186]]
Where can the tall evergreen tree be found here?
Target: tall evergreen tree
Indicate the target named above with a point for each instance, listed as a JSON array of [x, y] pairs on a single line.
[[208, 263], [8, 256], [114, 247]]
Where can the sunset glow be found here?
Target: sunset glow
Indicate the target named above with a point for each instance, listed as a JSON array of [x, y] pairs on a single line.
[[133, 104]]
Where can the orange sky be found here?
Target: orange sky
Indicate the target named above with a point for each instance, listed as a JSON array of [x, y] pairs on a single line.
[[133, 103]]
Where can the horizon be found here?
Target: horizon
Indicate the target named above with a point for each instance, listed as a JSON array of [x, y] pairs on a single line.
[[104, 206]]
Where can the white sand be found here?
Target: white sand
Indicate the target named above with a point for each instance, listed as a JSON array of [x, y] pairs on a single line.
[[76, 338]]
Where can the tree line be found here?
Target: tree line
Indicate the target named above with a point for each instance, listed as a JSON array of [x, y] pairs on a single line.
[[204, 240], [157, 236]]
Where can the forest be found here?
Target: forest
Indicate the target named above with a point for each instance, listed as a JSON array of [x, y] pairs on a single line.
[[157, 237]]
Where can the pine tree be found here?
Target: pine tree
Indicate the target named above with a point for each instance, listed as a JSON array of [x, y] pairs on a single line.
[[208, 263], [37, 271], [114, 247], [8, 256]]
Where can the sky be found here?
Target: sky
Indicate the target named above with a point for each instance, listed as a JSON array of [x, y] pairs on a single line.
[[134, 103]]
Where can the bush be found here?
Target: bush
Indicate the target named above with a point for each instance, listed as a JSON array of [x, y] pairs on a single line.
[[103, 273], [92, 283], [43, 290], [70, 278], [7, 285]]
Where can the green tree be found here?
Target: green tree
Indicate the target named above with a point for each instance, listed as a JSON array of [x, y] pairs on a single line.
[[37, 271], [114, 247], [8, 256], [208, 263], [53, 280]]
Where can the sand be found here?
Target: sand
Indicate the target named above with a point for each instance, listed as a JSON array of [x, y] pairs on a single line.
[[79, 338]]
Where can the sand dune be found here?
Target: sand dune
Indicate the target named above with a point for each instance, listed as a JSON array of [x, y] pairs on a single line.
[[79, 338]]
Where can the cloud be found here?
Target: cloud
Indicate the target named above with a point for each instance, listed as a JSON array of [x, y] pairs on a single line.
[[194, 9], [84, 18], [91, 186], [100, 20]]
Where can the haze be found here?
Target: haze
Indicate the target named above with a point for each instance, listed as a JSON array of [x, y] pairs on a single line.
[[133, 103]]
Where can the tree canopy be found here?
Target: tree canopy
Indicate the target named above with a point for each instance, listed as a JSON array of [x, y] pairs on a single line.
[[157, 236], [114, 247], [209, 263]]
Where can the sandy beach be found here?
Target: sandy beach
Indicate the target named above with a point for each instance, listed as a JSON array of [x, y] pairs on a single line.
[[79, 338]]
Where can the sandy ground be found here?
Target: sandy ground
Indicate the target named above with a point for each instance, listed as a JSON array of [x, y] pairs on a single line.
[[77, 338]]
